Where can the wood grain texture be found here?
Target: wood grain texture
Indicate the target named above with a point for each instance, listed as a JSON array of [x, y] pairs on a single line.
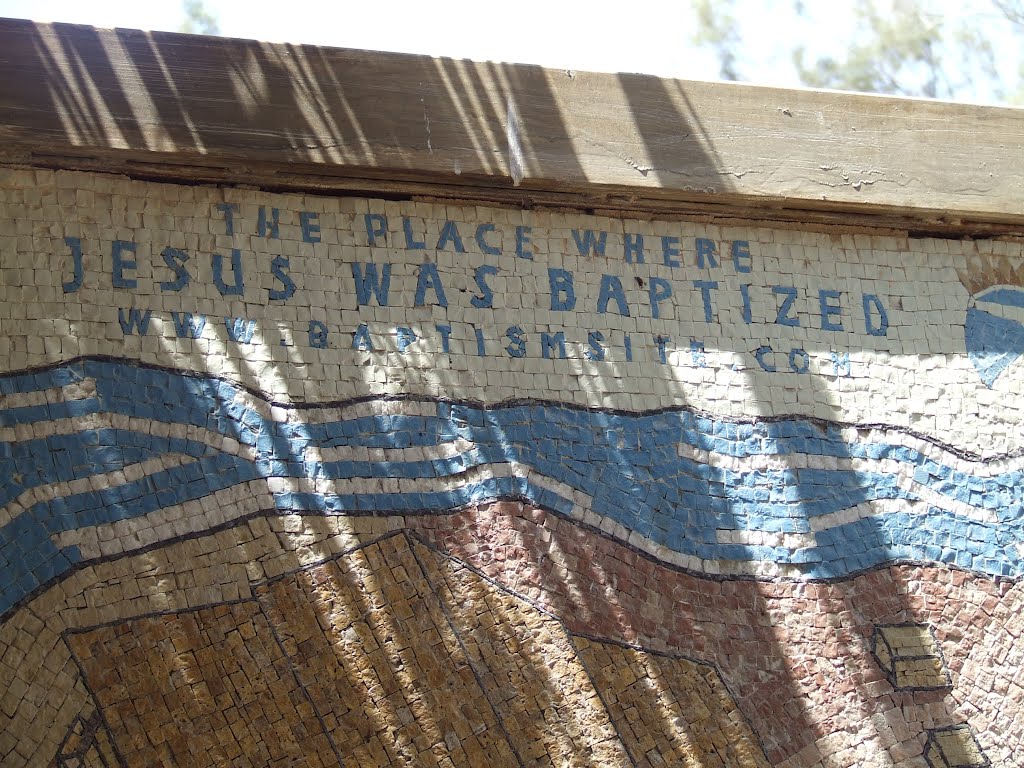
[[172, 106]]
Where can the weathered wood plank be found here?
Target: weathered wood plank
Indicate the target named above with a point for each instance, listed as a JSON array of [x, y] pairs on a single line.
[[224, 110]]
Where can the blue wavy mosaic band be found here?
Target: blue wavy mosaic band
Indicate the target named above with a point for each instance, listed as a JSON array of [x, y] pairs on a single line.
[[712, 488]]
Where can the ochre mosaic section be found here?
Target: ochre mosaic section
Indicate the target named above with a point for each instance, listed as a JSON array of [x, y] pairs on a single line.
[[201, 688], [390, 655], [670, 711], [910, 656], [88, 745], [371, 645], [954, 748], [528, 663]]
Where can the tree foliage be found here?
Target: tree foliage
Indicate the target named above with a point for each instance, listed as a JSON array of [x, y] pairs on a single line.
[[198, 20], [1013, 10], [901, 47], [717, 29]]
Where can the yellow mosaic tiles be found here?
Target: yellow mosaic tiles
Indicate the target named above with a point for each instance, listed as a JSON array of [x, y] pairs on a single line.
[[529, 665], [954, 748], [201, 688], [87, 745], [371, 645], [909, 656], [670, 711], [392, 654]]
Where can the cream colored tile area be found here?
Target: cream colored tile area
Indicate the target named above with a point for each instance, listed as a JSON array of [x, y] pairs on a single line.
[[322, 299]]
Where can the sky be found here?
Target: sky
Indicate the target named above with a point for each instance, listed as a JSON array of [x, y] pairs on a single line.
[[649, 36], [641, 36]]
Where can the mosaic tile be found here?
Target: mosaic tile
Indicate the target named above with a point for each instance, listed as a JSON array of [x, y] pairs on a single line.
[[670, 711], [209, 687], [370, 643], [954, 748], [87, 745], [520, 653], [796, 657], [456, 485], [910, 656]]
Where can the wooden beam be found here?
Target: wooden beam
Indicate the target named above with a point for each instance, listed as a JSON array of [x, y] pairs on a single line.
[[172, 106]]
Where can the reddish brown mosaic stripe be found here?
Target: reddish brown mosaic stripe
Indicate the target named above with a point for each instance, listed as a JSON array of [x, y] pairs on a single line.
[[797, 656]]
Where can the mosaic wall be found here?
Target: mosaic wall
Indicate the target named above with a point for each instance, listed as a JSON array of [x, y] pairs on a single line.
[[299, 480]]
